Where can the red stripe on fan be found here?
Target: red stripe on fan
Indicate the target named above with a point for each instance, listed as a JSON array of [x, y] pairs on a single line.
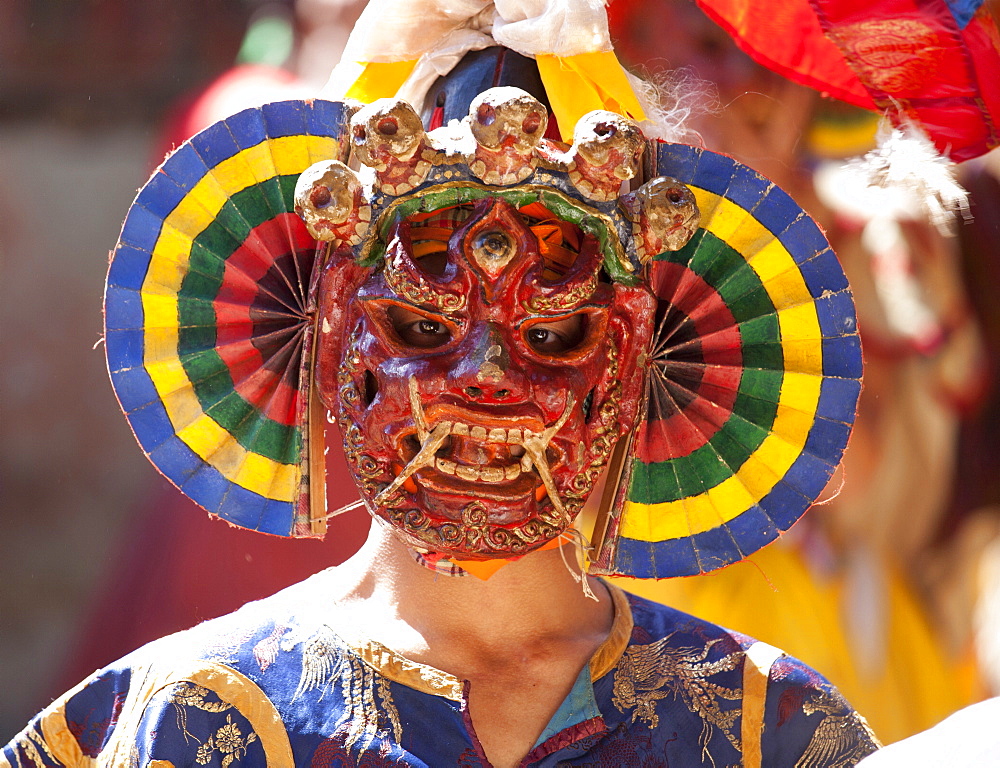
[[270, 394], [717, 332], [264, 389], [680, 285], [271, 237], [712, 353]]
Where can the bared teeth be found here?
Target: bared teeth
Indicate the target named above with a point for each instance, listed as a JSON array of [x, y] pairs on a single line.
[[528, 453], [467, 473], [479, 474], [491, 474], [514, 436]]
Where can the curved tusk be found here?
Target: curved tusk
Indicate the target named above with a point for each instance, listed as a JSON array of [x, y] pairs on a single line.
[[536, 449], [549, 433], [424, 457], [418, 410]]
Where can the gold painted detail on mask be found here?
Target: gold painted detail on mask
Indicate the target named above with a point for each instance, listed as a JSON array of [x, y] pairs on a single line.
[[476, 533], [648, 673], [419, 291], [365, 466], [493, 251], [565, 300], [605, 433], [597, 223]]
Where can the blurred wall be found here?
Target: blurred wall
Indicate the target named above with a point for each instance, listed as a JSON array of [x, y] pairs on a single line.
[[84, 87]]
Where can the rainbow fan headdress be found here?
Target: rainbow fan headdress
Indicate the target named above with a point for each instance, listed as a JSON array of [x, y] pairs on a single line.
[[751, 379]]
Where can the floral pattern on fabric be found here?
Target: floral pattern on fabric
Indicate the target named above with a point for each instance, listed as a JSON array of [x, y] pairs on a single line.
[[228, 741], [293, 692]]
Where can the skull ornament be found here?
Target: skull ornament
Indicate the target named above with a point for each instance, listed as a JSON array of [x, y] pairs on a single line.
[[507, 125], [481, 383], [606, 151], [329, 199]]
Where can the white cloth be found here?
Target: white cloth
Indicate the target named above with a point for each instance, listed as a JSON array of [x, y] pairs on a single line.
[[968, 738], [439, 33]]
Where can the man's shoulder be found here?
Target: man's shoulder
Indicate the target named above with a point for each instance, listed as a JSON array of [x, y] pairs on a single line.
[[797, 715], [223, 676], [652, 622], [655, 624], [254, 632]]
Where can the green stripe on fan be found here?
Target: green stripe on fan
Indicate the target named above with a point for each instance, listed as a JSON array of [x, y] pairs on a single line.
[[755, 407], [210, 377]]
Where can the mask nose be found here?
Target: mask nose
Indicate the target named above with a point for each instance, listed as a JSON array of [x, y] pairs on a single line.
[[485, 373]]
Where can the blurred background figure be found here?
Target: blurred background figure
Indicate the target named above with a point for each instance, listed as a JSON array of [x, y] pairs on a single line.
[[881, 589]]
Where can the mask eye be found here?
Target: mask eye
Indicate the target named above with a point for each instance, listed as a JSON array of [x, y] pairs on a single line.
[[556, 337], [417, 330], [493, 250]]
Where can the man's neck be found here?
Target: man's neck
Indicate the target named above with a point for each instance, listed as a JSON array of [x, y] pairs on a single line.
[[414, 610], [520, 639]]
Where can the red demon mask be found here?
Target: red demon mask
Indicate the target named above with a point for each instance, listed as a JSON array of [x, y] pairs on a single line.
[[482, 375]]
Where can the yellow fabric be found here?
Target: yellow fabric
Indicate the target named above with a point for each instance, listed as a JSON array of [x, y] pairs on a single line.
[[756, 673], [575, 85], [60, 741], [777, 598], [420, 677], [380, 80], [580, 84], [606, 657]]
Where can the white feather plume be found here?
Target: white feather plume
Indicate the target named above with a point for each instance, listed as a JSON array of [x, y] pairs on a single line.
[[906, 159]]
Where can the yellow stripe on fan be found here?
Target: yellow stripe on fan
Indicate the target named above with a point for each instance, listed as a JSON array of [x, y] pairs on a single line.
[[169, 265], [801, 342]]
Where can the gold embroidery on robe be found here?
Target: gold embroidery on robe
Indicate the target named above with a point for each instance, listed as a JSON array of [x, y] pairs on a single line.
[[228, 740], [327, 663], [28, 741], [648, 673], [841, 739], [185, 695]]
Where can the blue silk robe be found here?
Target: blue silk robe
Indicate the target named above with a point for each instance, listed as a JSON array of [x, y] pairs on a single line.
[[271, 684]]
